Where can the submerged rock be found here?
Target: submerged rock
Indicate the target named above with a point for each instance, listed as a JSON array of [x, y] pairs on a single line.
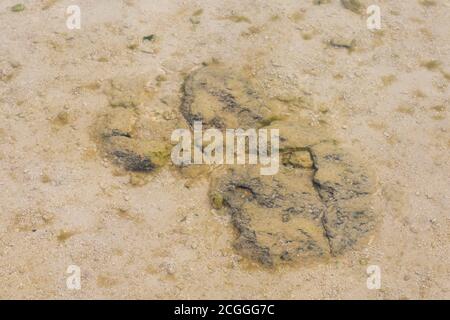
[[346, 188], [278, 218], [125, 136], [221, 99], [127, 154], [304, 211], [316, 206]]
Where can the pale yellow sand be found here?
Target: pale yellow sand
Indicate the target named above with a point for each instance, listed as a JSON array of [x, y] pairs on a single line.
[[62, 203]]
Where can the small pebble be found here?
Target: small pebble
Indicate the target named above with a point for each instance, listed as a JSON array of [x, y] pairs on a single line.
[[168, 267]]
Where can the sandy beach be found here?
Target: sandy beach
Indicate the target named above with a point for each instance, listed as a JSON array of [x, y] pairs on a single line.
[[156, 231]]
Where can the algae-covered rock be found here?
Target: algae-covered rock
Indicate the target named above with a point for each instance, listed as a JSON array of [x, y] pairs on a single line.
[[217, 200], [136, 154], [319, 203], [278, 218], [317, 206], [132, 143], [346, 187], [221, 99]]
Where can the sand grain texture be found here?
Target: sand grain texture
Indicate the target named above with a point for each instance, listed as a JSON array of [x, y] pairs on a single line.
[[69, 98]]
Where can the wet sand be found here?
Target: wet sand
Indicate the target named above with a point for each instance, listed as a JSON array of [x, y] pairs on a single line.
[[384, 94]]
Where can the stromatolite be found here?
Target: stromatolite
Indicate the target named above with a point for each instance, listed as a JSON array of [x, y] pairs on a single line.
[[316, 206], [128, 138], [319, 203]]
